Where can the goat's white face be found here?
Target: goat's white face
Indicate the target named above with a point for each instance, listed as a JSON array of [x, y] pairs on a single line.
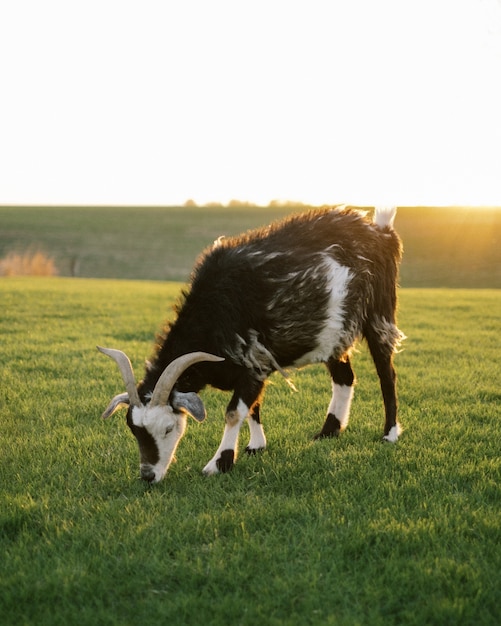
[[159, 425], [158, 430]]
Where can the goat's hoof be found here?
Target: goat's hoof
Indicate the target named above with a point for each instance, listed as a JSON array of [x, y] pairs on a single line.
[[331, 428], [226, 460], [253, 451], [393, 434], [326, 435], [210, 469]]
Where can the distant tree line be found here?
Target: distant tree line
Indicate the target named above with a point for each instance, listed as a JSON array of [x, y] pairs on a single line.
[[245, 204]]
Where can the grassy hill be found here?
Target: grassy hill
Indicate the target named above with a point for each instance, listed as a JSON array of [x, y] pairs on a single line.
[[444, 247]]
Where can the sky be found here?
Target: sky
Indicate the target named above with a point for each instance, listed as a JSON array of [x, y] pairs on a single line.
[[320, 101]]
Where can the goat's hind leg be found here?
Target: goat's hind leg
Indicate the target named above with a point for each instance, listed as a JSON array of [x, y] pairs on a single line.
[[338, 413], [382, 354]]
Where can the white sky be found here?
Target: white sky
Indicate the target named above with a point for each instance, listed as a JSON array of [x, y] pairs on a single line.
[[323, 101]]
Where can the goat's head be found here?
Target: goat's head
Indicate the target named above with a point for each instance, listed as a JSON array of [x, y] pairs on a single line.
[[159, 424]]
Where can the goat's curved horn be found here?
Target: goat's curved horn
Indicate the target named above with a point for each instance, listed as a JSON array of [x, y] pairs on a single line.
[[173, 371], [125, 367]]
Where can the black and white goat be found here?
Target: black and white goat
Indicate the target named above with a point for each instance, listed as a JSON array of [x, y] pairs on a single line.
[[300, 291]]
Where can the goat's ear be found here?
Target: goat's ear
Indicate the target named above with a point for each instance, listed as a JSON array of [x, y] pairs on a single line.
[[189, 403], [118, 401]]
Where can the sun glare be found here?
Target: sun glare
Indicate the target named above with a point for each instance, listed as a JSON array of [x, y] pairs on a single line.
[[321, 102]]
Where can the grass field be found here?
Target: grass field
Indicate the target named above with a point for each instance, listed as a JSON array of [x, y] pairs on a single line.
[[444, 247], [349, 531]]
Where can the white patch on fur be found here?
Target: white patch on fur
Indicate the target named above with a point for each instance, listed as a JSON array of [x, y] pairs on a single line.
[[257, 439], [331, 335], [385, 216], [166, 427], [340, 403], [229, 440], [392, 436]]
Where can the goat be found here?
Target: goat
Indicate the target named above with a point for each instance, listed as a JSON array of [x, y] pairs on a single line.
[[300, 291]]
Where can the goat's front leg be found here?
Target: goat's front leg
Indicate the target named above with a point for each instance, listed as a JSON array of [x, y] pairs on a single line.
[[257, 439], [237, 410], [338, 413], [226, 454]]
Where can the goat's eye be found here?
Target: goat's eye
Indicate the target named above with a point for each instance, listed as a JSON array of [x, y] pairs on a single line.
[[168, 430]]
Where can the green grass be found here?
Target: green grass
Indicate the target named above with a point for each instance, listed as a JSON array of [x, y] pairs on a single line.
[[350, 531], [444, 247]]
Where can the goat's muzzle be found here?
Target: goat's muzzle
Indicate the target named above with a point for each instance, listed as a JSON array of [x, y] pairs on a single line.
[[147, 473]]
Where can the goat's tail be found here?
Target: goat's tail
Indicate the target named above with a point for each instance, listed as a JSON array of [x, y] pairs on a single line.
[[384, 216]]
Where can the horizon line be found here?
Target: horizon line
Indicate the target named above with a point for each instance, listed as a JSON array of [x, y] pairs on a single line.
[[236, 204]]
